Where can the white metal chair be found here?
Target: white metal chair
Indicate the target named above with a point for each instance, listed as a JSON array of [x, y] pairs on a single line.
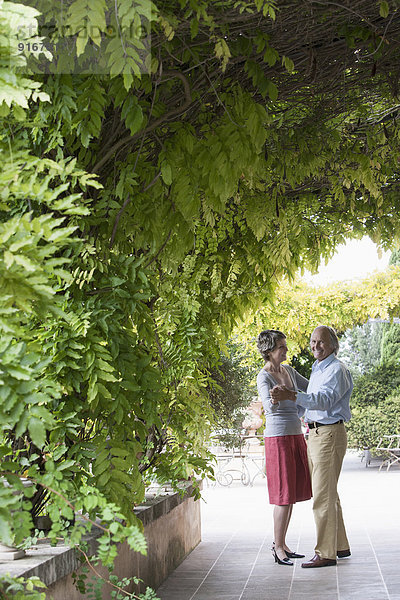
[[389, 445]]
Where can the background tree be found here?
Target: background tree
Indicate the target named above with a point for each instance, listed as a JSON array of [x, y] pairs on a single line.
[[303, 362], [395, 257], [391, 337], [375, 406], [372, 353], [232, 392], [391, 345], [296, 308], [361, 347]]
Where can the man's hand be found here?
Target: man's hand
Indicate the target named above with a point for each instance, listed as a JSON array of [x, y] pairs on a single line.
[[281, 392], [277, 394]]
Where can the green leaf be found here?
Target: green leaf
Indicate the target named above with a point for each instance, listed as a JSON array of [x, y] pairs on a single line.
[[19, 373], [272, 90], [37, 431], [384, 9], [166, 173]]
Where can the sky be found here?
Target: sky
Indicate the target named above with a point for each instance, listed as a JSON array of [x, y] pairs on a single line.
[[357, 259]]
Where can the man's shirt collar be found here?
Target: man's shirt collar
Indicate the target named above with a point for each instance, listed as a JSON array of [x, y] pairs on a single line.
[[320, 366]]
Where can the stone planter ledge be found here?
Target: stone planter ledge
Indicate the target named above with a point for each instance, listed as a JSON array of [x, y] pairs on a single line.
[[162, 515]]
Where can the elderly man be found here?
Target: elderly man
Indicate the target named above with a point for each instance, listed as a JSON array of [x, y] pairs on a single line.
[[326, 409]]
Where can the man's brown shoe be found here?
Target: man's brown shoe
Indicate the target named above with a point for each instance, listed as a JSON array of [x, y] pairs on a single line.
[[317, 561], [343, 553]]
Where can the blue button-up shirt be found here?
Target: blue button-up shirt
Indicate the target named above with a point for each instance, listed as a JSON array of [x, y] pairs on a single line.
[[327, 399]]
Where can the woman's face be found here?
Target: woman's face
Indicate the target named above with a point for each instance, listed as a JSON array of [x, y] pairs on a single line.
[[278, 354]]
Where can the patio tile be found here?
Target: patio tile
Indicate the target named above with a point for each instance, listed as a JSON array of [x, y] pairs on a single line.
[[206, 596], [234, 561], [366, 592]]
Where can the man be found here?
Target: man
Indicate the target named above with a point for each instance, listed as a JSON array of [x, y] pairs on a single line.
[[326, 407]]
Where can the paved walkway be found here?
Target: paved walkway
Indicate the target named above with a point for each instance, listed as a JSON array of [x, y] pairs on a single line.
[[234, 561]]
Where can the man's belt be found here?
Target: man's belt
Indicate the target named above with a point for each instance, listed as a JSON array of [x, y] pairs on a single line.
[[314, 424]]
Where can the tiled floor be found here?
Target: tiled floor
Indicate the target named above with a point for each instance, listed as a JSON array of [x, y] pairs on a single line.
[[234, 561]]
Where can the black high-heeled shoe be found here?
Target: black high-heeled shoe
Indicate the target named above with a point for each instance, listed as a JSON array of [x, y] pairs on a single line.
[[289, 554], [278, 560], [294, 555]]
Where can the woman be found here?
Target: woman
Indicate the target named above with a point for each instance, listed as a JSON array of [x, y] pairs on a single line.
[[287, 469]]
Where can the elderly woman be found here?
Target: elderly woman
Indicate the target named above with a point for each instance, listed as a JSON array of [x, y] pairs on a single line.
[[287, 469]]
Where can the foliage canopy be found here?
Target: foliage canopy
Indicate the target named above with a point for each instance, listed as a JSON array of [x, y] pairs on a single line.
[[158, 181]]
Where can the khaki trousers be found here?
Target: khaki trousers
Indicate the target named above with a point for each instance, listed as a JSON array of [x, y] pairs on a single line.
[[326, 449]]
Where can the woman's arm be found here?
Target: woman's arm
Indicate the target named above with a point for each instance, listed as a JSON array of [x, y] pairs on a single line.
[[264, 387]]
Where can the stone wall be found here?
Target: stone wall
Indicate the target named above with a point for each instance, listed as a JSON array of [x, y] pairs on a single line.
[[172, 527]]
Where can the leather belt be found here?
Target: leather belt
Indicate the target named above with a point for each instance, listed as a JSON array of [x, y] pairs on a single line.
[[314, 424]]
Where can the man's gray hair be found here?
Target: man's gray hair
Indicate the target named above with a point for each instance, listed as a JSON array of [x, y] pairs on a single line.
[[332, 335]]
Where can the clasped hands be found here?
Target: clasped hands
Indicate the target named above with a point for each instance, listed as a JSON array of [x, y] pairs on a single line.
[[279, 393]]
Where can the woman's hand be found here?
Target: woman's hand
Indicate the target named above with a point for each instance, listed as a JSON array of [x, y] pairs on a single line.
[[277, 394], [281, 392]]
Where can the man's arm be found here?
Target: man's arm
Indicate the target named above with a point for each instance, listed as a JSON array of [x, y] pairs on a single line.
[[333, 387], [301, 382], [336, 383]]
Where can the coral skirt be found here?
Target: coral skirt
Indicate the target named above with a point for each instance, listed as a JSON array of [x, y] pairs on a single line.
[[286, 464]]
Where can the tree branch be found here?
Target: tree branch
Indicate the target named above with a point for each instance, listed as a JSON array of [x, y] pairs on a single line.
[[173, 112], [125, 204], [160, 250], [107, 581]]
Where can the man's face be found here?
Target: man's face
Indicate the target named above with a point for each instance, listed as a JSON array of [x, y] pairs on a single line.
[[321, 345]]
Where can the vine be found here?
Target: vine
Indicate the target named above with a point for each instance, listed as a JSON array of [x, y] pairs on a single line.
[[158, 184]]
